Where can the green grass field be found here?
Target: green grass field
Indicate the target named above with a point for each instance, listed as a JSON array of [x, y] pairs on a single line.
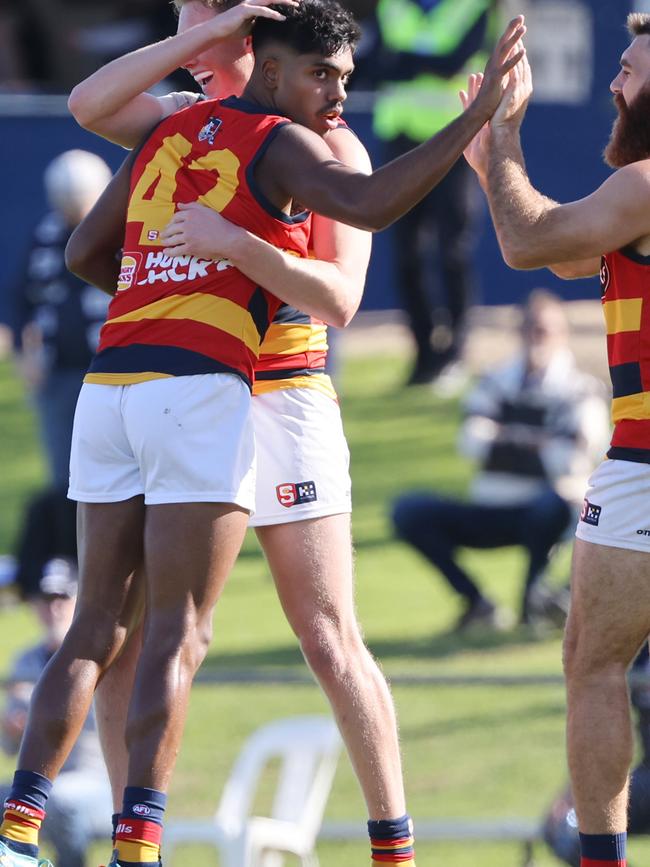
[[470, 751]]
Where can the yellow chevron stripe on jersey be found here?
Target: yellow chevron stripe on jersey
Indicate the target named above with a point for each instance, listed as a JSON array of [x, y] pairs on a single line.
[[318, 381], [200, 307], [292, 339], [124, 378], [633, 406], [623, 314]]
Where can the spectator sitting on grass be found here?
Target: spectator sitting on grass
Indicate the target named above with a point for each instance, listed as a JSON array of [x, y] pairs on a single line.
[[536, 427]]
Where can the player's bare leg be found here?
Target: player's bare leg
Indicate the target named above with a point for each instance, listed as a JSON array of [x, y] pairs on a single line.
[[110, 547], [112, 708], [608, 622], [190, 549], [312, 565]]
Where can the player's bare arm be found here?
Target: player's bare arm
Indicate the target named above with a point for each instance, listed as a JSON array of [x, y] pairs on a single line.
[[93, 249], [330, 290], [535, 231], [112, 102], [477, 155], [329, 286], [344, 246], [299, 166]]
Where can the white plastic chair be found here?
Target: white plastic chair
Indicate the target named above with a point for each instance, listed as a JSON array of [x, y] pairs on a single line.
[[308, 748]]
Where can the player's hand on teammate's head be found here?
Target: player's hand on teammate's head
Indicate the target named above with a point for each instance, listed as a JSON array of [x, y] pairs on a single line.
[[239, 19], [476, 153], [508, 52], [512, 108]]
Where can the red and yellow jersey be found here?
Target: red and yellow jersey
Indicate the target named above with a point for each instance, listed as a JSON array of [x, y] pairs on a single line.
[[625, 282], [294, 352], [182, 315]]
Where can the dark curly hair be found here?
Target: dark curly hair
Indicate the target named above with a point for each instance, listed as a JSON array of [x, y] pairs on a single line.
[[313, 27]]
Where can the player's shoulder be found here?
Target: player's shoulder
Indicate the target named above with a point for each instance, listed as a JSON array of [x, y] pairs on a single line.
[[634, 178], [348, 148], [294, 139]]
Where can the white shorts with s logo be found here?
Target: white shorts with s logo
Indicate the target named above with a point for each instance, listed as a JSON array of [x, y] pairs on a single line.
[[303, 461], [616, 510]]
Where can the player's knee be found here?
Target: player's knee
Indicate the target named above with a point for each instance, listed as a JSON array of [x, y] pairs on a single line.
[[178, 636], [95, 636], [331, 647], [586, 656]]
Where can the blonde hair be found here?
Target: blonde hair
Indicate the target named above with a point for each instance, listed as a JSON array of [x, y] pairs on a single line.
[[638, 23]]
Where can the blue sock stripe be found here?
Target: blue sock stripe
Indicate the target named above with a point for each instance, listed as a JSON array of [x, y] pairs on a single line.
[[141, 803], [603, 847], [31, 788], [139, 864], [20, 848], [390, 829]]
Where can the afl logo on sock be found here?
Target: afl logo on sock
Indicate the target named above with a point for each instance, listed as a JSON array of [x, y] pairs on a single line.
[[141, 809]]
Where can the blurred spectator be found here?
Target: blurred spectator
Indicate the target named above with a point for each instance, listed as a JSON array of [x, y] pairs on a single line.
[[81, 797], [426, 48], [56, 320], [536, 426], [560, 827], [12, 66], [53, 44]]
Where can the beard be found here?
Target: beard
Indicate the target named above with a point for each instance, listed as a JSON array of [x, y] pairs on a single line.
[[629, 141]]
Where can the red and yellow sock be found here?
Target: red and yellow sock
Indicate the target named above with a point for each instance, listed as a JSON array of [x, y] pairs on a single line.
[[21, 823], [139, 831], [391, 842], [138, 841], [24, 811]]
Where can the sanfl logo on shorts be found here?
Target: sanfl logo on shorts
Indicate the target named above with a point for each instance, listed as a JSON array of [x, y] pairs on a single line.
[[295, 493]]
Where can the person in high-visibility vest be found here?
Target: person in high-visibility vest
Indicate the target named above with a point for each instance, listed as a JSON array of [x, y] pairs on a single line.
[[427, 49]]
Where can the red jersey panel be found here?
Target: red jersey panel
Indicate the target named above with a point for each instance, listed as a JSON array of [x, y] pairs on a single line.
[[294, 351], [182, 315], [625, 282]]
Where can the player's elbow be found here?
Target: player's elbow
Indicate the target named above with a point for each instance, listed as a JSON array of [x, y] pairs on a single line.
[[520, 257], [338, 314], [78, 255], [336, 318], [81, 108], [342, 315], [347, 301]]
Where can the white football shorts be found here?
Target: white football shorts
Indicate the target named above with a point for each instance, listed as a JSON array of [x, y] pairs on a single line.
[[181, 439], [616, 509], [303, 461]]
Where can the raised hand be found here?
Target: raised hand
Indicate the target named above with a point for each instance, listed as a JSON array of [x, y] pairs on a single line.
[[195, 230], [505, 57], [239, 19], [513, 105], [476, 153]]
